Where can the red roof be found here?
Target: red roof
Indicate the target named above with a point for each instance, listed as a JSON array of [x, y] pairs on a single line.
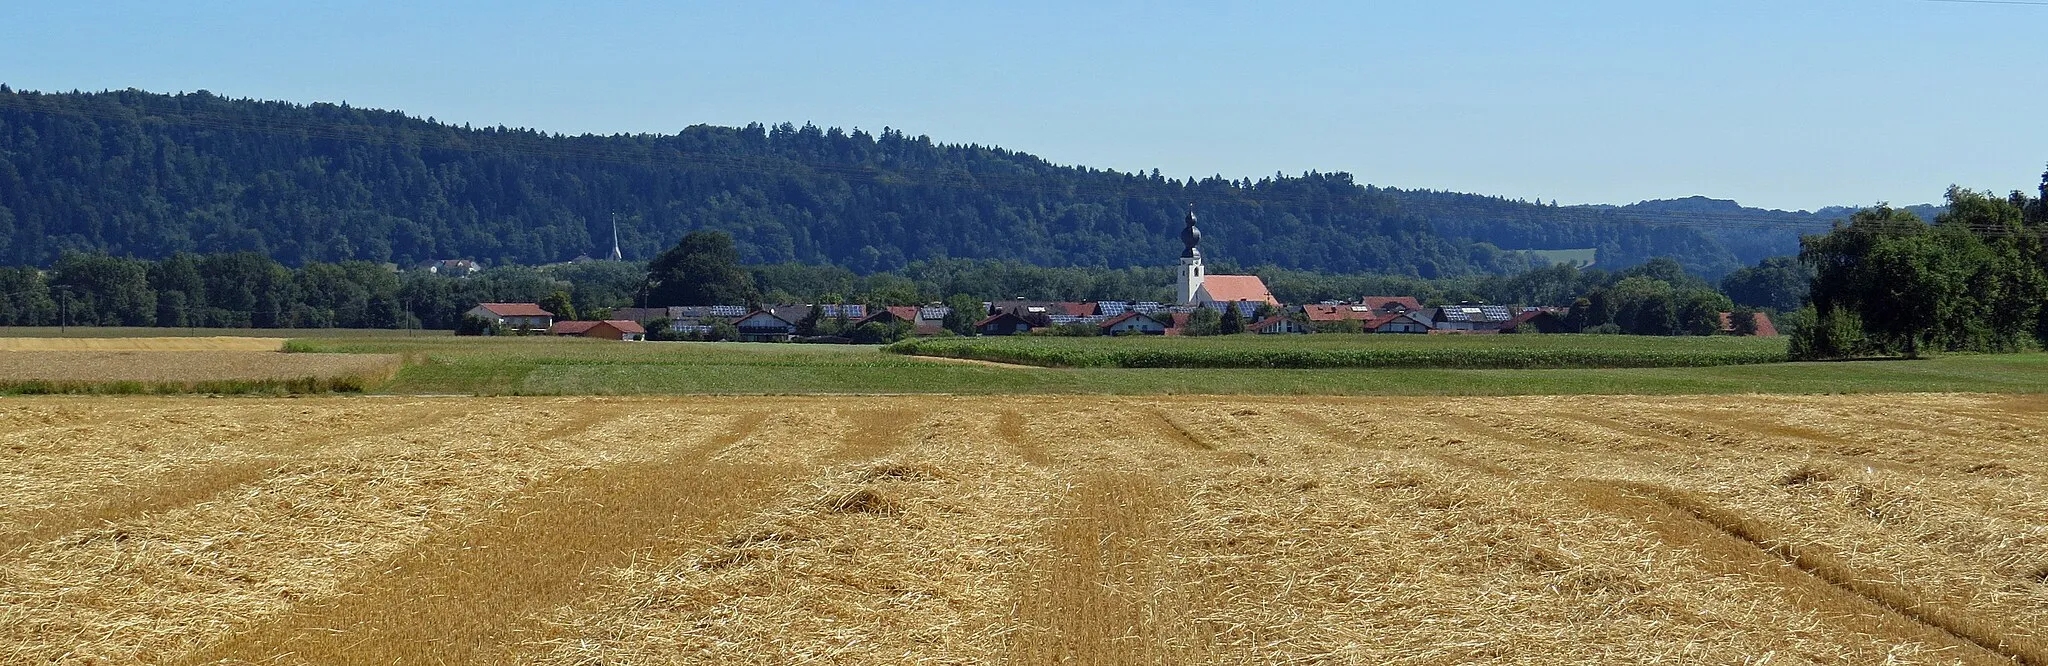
[[572, 327], [1379, 302], [1078, 309], [1338, 312], [1234, 288], [582, 327], [515, 310], [1764, 327], [1266, 323]]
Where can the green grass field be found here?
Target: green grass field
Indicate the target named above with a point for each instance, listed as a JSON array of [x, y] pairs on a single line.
[[1358, 351], [1579, 257], [552, 366]]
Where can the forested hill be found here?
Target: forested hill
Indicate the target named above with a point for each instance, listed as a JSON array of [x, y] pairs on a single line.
[[148, 175]]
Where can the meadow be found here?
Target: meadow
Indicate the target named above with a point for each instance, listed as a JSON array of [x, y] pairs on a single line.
[[1899, 529], [1469, 352]]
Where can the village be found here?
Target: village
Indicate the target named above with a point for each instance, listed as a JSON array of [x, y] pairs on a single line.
[[1207, 305]]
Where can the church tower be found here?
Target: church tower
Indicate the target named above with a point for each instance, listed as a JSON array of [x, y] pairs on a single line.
[[1190, 279]]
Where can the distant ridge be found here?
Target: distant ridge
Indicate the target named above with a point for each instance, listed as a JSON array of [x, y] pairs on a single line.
[[145, 174]]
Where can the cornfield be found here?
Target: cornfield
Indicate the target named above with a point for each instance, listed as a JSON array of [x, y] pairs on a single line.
[[1906, 529], [1356, 351]]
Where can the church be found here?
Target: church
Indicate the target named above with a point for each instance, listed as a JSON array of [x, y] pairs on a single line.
[[1195, 286]]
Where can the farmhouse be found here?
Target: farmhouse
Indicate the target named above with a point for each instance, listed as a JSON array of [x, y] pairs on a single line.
[[1390, 305], [1277, 324], [451, 267], [609, 329], [1134, 323], [1406, 322], [764, 326], [1470, 316], [515, 316], [1534, 321], [1003, 323], [1337, 312]]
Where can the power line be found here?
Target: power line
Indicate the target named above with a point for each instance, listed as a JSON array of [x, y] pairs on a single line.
[[2033, 3]]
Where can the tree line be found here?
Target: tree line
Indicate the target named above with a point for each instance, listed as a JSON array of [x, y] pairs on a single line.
[[131, 173], [1888, 282], [249, 290]]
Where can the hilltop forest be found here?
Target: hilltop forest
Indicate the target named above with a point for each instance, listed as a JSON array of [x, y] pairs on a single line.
[[149, 176]]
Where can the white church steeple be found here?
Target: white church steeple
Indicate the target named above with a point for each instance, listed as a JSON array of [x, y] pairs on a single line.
[[1189, 281]]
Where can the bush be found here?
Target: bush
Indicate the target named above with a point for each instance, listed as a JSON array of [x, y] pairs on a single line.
[[474, 325]]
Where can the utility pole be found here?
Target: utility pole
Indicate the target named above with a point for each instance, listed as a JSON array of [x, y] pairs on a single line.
[[63, 309]]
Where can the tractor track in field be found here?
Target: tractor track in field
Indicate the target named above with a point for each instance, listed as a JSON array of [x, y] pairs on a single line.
[[1905, 615], [476, 614], [1115, 530]]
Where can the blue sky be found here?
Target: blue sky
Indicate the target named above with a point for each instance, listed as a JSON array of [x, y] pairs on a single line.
[[1777, 103]]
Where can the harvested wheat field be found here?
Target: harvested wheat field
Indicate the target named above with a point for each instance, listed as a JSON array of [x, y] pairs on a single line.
[[215, 343], [203, 370], [1903, 529]]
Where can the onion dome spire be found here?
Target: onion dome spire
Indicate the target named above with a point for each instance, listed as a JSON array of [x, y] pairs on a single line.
[[1190, 236]]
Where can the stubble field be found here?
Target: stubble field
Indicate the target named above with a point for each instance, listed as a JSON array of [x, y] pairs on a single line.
[[1909, 529]]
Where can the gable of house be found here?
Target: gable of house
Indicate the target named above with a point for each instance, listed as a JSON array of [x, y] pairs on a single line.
[[1003, 323], [1134, 322], [763, 320]]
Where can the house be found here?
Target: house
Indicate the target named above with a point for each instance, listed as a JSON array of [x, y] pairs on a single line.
[[1077, 309], [1134, 323], [1470, 316], [1277, 324], [1534, 320], [1391, 305], [1406, 322], [642, 315], [1233, 289], [451, 267], [890, 315], [764, 326], [1764, 327], [514, 316], [1003, 323], [609, 329], [1338, 312], [931, 319], [1175, 321]]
